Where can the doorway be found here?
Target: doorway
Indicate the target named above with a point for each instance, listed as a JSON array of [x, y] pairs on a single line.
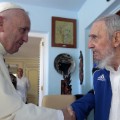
[[29, 58]]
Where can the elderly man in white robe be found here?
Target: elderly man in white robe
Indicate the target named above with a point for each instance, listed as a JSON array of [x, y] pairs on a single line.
[[14, 29]]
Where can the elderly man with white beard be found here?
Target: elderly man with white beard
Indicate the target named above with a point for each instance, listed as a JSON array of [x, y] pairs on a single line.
[[104, 41]]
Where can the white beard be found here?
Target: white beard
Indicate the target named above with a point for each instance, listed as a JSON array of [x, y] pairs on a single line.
[[106, 61]]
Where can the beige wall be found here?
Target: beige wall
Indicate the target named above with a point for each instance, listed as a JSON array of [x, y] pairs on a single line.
[[31, 70]]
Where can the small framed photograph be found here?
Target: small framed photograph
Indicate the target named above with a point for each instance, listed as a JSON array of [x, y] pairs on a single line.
[[63, 32]]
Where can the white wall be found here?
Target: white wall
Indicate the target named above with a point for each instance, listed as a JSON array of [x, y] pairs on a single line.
[[41, 22]]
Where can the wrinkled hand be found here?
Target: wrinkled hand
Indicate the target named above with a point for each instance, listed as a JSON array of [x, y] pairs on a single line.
[[68, 113]]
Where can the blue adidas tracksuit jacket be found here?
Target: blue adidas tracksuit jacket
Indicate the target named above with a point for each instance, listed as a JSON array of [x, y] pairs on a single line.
[[99, 99]]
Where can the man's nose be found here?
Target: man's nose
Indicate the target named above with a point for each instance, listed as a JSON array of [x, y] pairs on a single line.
[[90, 44], [25, 38]]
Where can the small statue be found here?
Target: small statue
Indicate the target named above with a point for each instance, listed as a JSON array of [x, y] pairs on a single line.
[[65, 65], [66, 87]]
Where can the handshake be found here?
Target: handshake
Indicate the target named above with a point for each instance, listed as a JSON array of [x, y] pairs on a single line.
[[68, 113]]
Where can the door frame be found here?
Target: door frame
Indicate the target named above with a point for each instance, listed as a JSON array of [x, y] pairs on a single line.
[[42, 64]]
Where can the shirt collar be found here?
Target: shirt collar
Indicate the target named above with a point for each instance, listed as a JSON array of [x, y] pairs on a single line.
[[2, 50], [111, 69]]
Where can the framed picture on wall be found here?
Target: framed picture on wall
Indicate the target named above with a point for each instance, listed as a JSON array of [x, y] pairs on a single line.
[[63, 32]]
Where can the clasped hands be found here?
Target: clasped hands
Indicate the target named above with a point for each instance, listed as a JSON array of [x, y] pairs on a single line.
[[68, 113]]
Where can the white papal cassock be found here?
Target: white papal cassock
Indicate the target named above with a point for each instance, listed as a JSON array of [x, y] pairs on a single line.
[[12, 106]]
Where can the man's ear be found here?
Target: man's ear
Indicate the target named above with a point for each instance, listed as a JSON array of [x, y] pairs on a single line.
[[1, 24], [116, 39]]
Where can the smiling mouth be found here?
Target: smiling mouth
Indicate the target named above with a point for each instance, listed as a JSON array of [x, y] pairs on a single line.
[[20, 44]]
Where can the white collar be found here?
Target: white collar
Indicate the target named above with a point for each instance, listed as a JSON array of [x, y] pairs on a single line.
[[2, 50], [111, 69]]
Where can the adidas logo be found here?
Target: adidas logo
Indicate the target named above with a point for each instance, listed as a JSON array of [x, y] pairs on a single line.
[[101, 78]]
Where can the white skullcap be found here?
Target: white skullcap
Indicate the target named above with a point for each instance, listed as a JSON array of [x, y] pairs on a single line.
[[8, 5]]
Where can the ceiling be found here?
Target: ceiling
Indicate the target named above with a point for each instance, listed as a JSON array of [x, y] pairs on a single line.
[[72, 5], [31, 48]]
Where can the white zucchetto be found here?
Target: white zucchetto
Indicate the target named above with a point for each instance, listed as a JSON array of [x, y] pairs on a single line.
[[8, 5]]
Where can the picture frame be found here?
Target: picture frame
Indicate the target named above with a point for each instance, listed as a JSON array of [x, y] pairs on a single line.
[[63, 32]]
